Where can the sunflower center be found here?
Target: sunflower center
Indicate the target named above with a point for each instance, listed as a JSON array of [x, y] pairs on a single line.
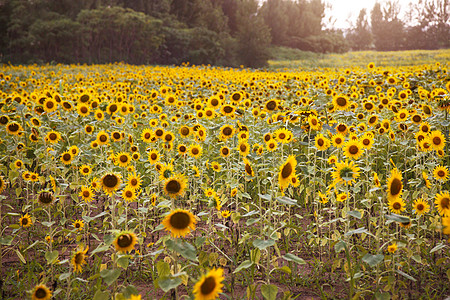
[[184, 131], [24, 221], [271, 105], [180, 220], [341, 101], [320, 142], [417, 119], [123, 158], [420, 207], [286, 171], [445, 203], [314, 122], [110, 180], [282, 136], [113, 108], [372, 120], [225, 151], [79, 258], [124, 240], [441, 173], [116, 135], [195, 151], [353, 149], [341, 128], [133, 182], [52, 136], [86, 194], [248, 169], [128, 194], [159, 132], [103, 138], [45, 197], [168, 138], [153, 156], [40, 293], [366, 142], [228, 109], [14, 127], [3, 120], [243, 147], [396, 186], [173, 186], [214, 102], [84, 109], [208, 286], [236, 96], [50, 104], [437, 140], [397, 206]]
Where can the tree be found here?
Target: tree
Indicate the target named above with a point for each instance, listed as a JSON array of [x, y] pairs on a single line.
[[387, 28], [360, 37]]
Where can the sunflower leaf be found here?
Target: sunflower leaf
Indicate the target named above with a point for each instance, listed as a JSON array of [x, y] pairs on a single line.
[[294, 258], [244, 265], [167, 283], [99, 295], [183, 248], [263, 244], [110, 275], [373, 260], [355, 213], [269, 291], [398, 218], [51, 256]]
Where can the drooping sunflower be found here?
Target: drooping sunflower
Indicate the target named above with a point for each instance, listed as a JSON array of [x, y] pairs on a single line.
[[2, 184], [125, 241], [420, 207], [341, 102], [248, 168], [427, 181], [345, 172], [78, 225], [179, 222], [209, 286], [25, 221], [41, 292], [45, 197], [353, 149], [110, 182], [442, 202], [397, 205], [287, 170], [395, 185], [86, 193], [175, 185], [79, 259], [321, 142], [376, 180], [441, 173], [437, 140]]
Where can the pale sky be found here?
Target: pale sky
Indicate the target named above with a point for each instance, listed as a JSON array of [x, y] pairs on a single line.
[[345, 12]]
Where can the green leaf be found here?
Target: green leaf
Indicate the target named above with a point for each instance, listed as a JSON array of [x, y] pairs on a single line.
[[269, 291], [100, 248], [110, 275], [406, 275], [355, 214], [99, 295], [51, 256], [397, 218], [123, 261], [48, 224], [129, 291], [64, 276], [185, 249], [417, 258], [265, 197], [294, 258], [244, 265], [285, 269], [339, 246], [163, 268], [6, 241], [438, 247], [359, 230], [263, 244], [373, 260], [287, 200], [167, 283], [20, 256]]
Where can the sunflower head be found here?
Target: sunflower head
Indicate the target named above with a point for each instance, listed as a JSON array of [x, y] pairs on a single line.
[[210, 285], [41, 292], [395, 185], [179, 222], [45, 197], [175, 185], [125, 241], [110, 182]]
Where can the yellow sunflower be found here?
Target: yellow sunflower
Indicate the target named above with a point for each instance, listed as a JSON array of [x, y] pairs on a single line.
[[78, 225], [86, 193], [2, 184], [248, 168], [129, 194], [314, 122], [134, 180], [420, 207], [14, 128], [321, 142], [283, 135], [226, 132], [110, 182], [41, 292], [179, 222], [175, 185], [243, 147], [122, 159], [125, 241], [395, 185], [102, 138], [25, 221], [353, 149], [287, 170], [345, 172], [79, 259], [437, 140], [341, 102], [392, 248], [195, 150], [397, 205], [440, 173], [442, 202], [427, 181], [376, 180], [209, 286], [338, 140], [153, 156], [85, 170]]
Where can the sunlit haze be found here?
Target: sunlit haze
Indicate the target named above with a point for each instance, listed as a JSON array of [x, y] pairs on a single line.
[[343, 13]]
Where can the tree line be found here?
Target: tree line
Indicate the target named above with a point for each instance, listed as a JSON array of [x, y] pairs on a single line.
[[217, 32]]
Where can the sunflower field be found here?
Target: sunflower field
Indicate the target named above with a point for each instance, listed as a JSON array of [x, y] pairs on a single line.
[[200, 182]]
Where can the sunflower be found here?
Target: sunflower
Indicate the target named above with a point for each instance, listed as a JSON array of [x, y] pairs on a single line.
[[425, 127], [287, 170], [85, 170], [397, 205], [214, 102], [283, 135], [2, 184], [332, 159], [446, 224], [83, 109], [179, 222], [248, 168], [78, 259], [341, 197], [345, 172], [437, 140], [226, 132], [367, 141], [395, 185], [116, 136], [353, 149], [195, 150], [134, 180], [376, 180], [341, 102], [228, 110], [271, 145], [102, 138], [41, 292], [153, 156], [420, 206], [184, 131], [271, 105], [122, 159], [50, 105], [342, 128], [86, 193], [129, 194], [216, 166], [110, 182], [321, 142], [45, 197], [338, 140], [443, 203], [125, 241], [78, 225], [440, 173], [314, 122], [175, 185], [225, 151], [392, 248], [210, 285], [25, 221], [14, 128], [243, 147], [66, 157]]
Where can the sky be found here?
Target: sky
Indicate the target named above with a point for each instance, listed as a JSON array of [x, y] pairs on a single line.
[[343, 11]]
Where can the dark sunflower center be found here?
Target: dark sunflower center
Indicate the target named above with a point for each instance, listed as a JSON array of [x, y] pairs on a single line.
[[372, 120], [314, 122], [282, 136], [341, 101], [84, 109], [116, 135], [236, 96], [45, 197], [89, 129], [209, 113], [427, 110], [214, 102], [159, 132], [445, 203], [4, 120], [195, 151], [396, 187], [86, 194], [184, 131], [228, 109], [79, 258], [441, 173], [77, 225], [338, 141], [173, 186], [366, 142], [353, 149], [128, 194], [24, 221], [420, 207], [437, 140], [341, 128], [368, 106], [397, 206], [110, 180], [52, 136], [133, 181], [14, 127], [417, 118], [124, 240], [50, 104], [113, 108], [286, 171], [103, 138], [248, 169], [67, 157], [153, 156], [320, 142], [402, 115], [40, 293], [85, 170], [271, 105], [208, 286], [243, 147], [225, 151], [180, 220], [123, 158]]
